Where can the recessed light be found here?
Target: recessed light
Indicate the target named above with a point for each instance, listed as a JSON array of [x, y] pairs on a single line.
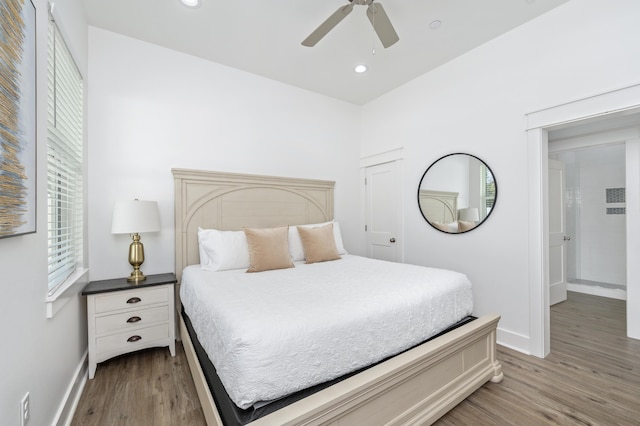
[[360, 68], [434, 25], [191, 3]]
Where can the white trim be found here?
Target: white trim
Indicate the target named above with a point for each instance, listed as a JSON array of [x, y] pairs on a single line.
[[538, 122], [512, 340], [617, 100], [66, 291], [382, 157], [69, 403], [633, 238], [539, 337], [611, 293]]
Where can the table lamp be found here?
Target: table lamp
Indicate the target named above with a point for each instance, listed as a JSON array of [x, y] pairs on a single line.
[[469, 214], [135, 217]]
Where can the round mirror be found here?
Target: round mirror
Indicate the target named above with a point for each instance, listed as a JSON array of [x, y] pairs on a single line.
[[457, 193]]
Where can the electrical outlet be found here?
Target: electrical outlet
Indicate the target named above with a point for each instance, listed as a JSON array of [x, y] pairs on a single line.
[[25, 410]]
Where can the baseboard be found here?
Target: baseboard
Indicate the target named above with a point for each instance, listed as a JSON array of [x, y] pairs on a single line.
[[612, 293], [515, 341], [522, 343], [72, 395]]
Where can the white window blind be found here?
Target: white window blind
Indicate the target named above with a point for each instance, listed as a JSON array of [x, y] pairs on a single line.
[[488, 191], [64, 160]]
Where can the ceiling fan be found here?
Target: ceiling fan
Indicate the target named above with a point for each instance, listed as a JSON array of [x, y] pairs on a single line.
[[376, 14]]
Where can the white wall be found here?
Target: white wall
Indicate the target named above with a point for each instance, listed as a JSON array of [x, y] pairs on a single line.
[[39, 355], [599, 239], [477, 104], [152, 109], [450, 174], [602, 233]]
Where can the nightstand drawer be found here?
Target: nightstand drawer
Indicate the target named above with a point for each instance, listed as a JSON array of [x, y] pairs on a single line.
[[131, 299], [124, 316], [132, 338], [127, 320]]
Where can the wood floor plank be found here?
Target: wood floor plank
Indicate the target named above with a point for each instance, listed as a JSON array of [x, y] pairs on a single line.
[[591, 377], [148, 387]]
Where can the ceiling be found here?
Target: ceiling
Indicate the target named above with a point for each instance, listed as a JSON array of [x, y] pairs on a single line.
[[264, 37]]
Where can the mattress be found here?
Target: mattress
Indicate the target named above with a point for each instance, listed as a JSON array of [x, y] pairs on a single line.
[[273, 333]]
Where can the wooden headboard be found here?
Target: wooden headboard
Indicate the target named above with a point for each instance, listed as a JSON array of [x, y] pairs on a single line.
[[439, 206], [229, 201]]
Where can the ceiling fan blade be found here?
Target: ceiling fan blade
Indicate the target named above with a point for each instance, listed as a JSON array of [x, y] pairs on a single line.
[[327, 25], [382, 25]]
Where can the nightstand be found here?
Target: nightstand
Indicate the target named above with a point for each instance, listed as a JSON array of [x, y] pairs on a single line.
[[125, 317]]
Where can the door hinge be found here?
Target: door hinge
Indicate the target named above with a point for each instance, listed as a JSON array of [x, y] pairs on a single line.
[[365, 228]]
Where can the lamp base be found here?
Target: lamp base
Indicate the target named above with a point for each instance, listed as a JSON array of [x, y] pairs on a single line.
[[136, 258], [136, 276]]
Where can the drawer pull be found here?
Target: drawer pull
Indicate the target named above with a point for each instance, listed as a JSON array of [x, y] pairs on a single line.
[[134, 319], [134, 339], [134, 300]]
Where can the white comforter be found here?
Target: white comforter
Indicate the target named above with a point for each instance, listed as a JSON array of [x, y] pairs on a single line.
[[272, 333]]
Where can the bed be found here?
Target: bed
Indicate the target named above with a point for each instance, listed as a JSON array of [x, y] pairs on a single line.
[[439, 206], [417, 386]]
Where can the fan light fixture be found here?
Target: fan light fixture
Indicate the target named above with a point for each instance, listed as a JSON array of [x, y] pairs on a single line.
[[360, 68], [191, 3], [376, 14]]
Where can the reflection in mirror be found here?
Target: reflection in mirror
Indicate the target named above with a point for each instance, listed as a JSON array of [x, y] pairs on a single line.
[[457, 193]]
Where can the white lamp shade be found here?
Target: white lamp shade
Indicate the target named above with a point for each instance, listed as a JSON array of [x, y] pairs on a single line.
[[135, 217], [470, 214]]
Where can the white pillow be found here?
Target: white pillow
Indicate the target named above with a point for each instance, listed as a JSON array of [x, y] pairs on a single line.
[[222, 250], [451, 227], [295, 243]]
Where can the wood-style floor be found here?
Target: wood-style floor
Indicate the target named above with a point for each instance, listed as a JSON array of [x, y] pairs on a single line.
[[591, 377], [145, 388]]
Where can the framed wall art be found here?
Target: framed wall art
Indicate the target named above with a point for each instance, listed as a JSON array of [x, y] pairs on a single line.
[[17, 117]]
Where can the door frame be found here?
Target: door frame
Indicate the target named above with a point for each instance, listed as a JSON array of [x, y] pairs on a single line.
[[393, 156], [537, 125]]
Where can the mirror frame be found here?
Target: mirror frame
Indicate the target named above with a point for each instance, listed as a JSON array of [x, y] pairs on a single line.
[[495, 200]]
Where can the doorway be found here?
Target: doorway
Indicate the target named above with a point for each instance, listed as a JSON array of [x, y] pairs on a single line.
[[587, 111], [595, 217]]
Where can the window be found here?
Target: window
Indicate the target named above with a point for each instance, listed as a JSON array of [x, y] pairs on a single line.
[[64, 160], [488, 191]]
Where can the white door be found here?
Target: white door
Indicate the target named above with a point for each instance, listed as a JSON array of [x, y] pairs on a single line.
[[557, 236], [383, 211]]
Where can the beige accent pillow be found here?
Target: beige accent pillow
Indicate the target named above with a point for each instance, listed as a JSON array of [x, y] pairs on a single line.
[[319, 243], [466, 226], [268, 248]]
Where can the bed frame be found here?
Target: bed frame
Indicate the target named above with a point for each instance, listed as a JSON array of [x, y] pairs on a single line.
[[415, 387], [439, 206]]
